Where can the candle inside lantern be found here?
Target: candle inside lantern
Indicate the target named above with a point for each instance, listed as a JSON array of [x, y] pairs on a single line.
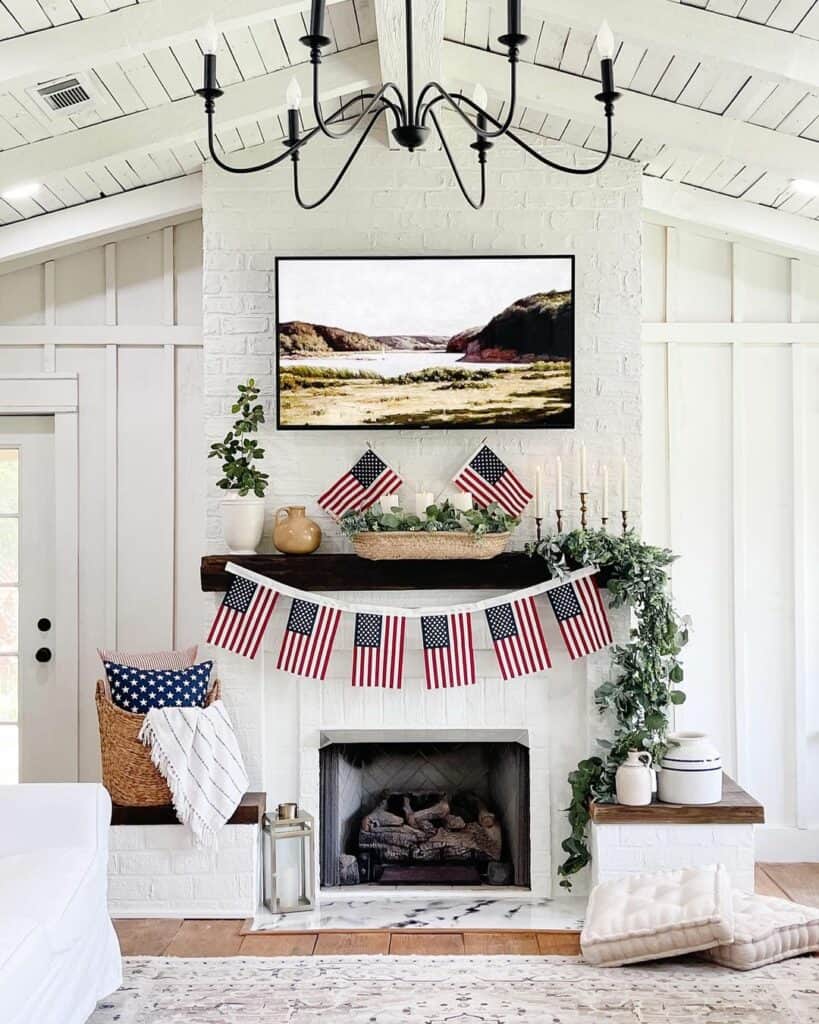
[[584, 470], [605, 505], [559, 477], [388, 502], [539, 492], [422, 502], [624, 488]]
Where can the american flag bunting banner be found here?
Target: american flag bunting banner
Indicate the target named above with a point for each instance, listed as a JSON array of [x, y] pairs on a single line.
[[581, 615], [449, 655], [489, 479], [361, 486], [308, 639], [242, 617], [378, 650], [517, 636]]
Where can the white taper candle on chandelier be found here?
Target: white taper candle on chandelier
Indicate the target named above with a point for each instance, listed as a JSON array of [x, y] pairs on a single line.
[[624, 487], [605, 41]]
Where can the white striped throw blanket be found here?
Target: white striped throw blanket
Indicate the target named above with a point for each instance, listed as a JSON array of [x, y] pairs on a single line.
[[196, 752]]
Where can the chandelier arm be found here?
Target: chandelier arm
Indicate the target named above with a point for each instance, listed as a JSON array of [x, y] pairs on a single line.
[[277, 159], [476, 204], [339, 177], [455, 102], [374, 98], [560, 167]]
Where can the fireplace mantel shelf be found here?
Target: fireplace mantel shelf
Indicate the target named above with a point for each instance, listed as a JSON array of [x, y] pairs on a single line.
[[349, 572]]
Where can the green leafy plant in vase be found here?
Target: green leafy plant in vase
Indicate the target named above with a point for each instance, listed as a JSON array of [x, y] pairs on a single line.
[[243, 510]]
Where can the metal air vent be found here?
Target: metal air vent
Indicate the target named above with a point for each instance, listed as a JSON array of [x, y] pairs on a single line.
[[65, 96]]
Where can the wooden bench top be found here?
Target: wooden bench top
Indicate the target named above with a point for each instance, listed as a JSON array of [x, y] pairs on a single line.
[[249, 812], [736, 808]]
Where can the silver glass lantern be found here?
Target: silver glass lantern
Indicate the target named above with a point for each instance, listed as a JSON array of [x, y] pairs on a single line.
[[289, 863]]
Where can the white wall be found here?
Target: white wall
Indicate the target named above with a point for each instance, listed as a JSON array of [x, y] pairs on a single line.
[[125, 317], [731, 484]]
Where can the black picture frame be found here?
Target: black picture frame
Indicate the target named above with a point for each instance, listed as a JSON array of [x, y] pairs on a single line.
[[566, 423]]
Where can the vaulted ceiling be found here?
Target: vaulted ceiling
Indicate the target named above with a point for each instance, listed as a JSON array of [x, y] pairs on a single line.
[[720, 95]]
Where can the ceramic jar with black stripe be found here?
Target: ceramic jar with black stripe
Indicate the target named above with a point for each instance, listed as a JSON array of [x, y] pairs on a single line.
[[691, 770]]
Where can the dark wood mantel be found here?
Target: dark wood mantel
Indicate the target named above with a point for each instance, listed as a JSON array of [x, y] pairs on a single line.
[[511, 571], [737, 807]]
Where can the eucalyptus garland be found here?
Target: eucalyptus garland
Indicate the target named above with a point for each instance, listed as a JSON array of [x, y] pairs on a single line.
[[646, 671]]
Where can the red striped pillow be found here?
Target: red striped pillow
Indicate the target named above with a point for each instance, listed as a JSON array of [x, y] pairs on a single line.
[[183, 658]]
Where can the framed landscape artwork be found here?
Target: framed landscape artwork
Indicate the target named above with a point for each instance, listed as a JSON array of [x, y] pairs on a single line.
[[427, 342]]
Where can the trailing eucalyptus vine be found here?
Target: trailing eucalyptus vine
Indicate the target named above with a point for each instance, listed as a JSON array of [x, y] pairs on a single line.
[[646, 671]]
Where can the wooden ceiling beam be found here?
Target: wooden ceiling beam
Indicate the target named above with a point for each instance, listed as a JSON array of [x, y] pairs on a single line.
[[689, 30], [79, 45], [174, 123], [646, 117]]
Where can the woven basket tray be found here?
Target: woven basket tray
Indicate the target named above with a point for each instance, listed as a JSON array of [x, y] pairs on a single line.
[[127, 770], [390, 546]]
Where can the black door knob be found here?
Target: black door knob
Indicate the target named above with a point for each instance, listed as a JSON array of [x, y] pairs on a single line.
[[43, 654], [44, 625]]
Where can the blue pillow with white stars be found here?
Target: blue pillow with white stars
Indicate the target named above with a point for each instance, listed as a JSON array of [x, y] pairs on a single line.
[[139, 689]]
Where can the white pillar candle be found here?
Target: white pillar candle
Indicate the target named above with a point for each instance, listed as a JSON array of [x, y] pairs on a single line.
[[625, 484], [539, 492], [463, 501], [584, 477], [559, 475], [422, 501], [605, 512], [387, 502]]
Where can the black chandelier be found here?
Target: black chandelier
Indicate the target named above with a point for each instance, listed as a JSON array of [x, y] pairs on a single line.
[[412, 116]]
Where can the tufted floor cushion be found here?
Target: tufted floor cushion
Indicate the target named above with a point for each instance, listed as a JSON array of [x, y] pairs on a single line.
[[666, 913], [766, 930]]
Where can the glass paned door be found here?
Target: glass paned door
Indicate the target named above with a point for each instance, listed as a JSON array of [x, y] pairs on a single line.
[[9, 614]]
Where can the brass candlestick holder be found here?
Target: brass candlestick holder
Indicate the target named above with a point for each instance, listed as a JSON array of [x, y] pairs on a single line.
[[538, 528], [559, 518], [584, 510], [624, 514]]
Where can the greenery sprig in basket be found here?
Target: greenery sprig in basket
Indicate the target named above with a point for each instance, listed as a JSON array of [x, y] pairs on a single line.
[[646, 671], [444, 532]]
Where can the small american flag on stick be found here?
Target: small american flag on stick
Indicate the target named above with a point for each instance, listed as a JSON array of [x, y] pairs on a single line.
[[308, 640], [449, 657], [518, 638], [361, 486], [581, 615], [490, 479], [378, 652], [242, 617]]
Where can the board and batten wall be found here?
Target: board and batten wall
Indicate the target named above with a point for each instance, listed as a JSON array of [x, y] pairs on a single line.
[[731, 484], [125, 316]]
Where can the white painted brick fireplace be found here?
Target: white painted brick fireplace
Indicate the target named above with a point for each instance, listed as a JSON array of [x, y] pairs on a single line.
[[397, 204]]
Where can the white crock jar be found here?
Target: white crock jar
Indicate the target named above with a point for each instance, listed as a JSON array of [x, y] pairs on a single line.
[[691, 770], [242, 523], [634, 779]]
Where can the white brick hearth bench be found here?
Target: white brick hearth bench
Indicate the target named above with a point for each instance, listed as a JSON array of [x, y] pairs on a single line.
[[632, 840], [156, 871]]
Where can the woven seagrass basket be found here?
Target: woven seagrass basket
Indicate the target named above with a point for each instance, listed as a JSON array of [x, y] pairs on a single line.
[[458, 544], [127, 770]]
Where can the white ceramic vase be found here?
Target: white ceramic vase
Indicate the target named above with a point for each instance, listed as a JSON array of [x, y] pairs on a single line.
[[242, 523], [690, 771], [634, 779]]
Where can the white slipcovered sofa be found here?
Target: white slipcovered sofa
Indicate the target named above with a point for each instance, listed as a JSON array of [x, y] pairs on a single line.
[[58, 949]]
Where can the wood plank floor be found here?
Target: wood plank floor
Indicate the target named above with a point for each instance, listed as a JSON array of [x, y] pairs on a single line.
[[166, 937]]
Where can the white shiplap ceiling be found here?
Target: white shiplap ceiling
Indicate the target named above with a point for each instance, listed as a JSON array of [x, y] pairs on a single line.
[[721, 95]]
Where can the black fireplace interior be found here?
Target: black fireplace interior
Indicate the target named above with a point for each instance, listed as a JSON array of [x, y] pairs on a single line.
[[424, 814]]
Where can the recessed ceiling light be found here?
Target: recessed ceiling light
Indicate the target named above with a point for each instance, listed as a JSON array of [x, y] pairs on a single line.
[[805, 186], [24, 191]]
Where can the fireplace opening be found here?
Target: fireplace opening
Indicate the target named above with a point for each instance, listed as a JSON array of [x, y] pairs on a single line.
[[430, 813]]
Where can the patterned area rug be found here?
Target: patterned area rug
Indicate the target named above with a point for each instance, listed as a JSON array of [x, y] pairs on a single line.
[[457, 990]]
